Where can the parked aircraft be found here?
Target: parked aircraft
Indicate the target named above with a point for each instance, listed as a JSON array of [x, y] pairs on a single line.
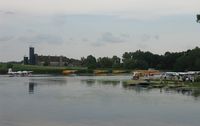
[[19, 73]]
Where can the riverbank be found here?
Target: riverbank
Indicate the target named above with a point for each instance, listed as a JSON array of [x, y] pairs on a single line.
[[59, 70], [167, 84], [38, 69]]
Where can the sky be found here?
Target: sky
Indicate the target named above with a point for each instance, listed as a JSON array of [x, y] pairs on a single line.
[[78, 28]]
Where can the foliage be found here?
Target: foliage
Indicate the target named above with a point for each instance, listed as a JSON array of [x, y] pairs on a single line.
[[175, 61], [197, 79], [91, 62], [46, 63], [116, 62], [9, 65], [189, 60], [104, 62], [138, 60], [178, 61]]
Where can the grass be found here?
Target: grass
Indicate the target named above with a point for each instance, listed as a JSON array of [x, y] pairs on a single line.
[[172, 83], [195, 84], [3, 69], [33, 67], [58, 70], [39, 69]]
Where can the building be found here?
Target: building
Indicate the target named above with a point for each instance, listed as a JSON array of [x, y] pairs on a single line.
[[31, 56], [51, 60], [57, 61], [198, 18], [35, 59], [25, 60]]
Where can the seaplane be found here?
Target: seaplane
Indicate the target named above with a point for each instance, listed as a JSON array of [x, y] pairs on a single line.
[[19, 73]]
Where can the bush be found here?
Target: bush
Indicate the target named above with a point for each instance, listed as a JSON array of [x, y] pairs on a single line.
[[9, 65], [197, 79]]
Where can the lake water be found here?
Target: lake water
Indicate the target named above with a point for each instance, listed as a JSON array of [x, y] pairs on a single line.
[[92, 101]]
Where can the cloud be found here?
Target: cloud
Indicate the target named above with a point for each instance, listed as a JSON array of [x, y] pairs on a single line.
[[110, 38], [6, 38], [147, 37], [142, 46], [7, 12], [125, 35], [122, 8], [97, 44], [85, 39], [157, 37], [48, 38], [93, 23], [42, 38], [71, 39]]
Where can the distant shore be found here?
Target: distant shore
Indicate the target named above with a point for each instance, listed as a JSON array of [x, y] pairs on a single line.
[[59, 70]]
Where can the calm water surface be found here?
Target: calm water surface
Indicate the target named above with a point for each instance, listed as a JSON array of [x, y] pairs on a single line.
[[92, 101]]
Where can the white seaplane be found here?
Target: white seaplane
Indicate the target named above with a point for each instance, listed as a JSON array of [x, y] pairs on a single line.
[[19, 73]]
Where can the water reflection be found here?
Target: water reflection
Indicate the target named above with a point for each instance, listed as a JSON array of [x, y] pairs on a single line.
[[190, 92], [183, 91], [196, 93], [141, 88], [33, 82], [91, 82], [67, 101], [137, 89], [109, 82], [31, 87], [49, 81]]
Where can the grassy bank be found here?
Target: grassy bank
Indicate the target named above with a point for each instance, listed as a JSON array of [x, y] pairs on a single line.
[[163, 84], [58, 70], [38, 69]]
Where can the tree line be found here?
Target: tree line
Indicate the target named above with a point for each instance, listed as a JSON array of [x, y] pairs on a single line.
[[175, 61]]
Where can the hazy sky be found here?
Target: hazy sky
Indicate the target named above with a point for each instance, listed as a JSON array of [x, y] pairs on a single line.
[[76, 28]]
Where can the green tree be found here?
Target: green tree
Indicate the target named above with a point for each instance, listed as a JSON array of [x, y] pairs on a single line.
[[116, 62], [129, 64], [197, 64], [137, 60], [140, 64], [83, 61], [9, 65], [105, 62], [127, 60], [46, 63], [189, 60], [91, 62]]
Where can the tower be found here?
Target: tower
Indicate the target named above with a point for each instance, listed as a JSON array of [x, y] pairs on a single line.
[[31, 56], [198, 18]]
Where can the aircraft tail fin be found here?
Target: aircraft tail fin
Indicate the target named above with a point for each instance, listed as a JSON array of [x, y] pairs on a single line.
[[9, 70]]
